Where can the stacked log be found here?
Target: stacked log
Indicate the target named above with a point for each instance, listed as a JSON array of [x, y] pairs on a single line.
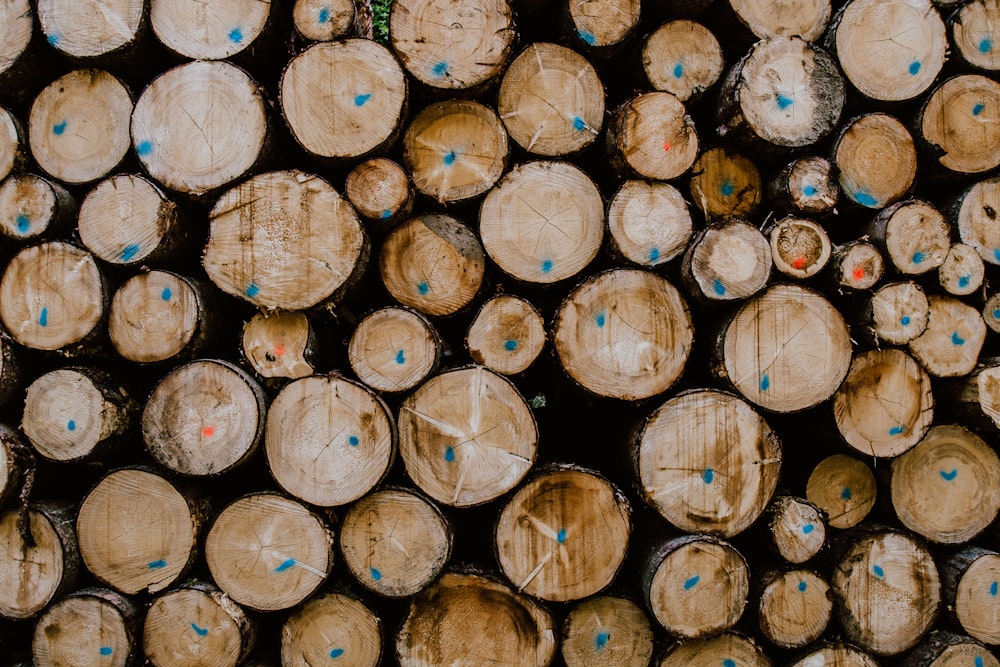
[[500, 332]]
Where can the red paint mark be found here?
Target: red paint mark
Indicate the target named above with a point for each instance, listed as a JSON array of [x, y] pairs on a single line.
[[279, 350], [666, 145], [208, 431], [798, 263], [859, 273]]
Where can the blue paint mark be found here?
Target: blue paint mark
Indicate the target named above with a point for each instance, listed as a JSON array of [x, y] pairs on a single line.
[[449, 158], [654, 254], [144, 148], [166, 294], [914, 67], [22, 223], [546, 265], [708, 475], [719, 288], [400, 357], [54, 39], [996, 313], [691, 583], [561, 537], [846, 493], [949, 475], [904, 320], [105, 650], [601, 640], [236, 35], [784, 102], [978, 109], [802, 587], [336, 653], [918, 257], [956, 339], [728, 663], [59, 128], [386, 214], [201, 632], [996, 254], [376, 575], [963, 281], [440, 69], [985, 45], [156, 564], [449, 455], [865, 199], [288, 564], [809, 191], [993, 589], [897, 430], [727, 188], [510, 345], [353, 441], [324, 15], [71, 425], [587, 37], [765, 383], [423, 288], [600, 320], [678, 70], [43, 318], [253, 289], [878, 571], [578, 124], [808, 528], [979, 661], [360, 100], [130, 251]]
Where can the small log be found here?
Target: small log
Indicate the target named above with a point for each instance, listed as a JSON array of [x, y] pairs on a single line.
[[467, 436], [76, 413], [213, 31], [898, 312], [786, 350], [884, 406], [506, 335], [807, 20], [137, 531], [968, 577], [960, 120], [469, 619], [950, 344], [794, 608], [39, 560], [856, 265], [606, 630], [962, 271], [624, 334], [328, 440], [267, 229], [344, 99], [876, 159], [844, 488], [380, 191], [913, 234], [800, 247], [204, 418], [551, 100], [648, 222], [88, 627], [452, 46], [543, 222], [946, 649], [394, 349], [34, 298], [707, 462], [725, 184], [78, 126], [975, 218], [280, 344], [395, 542], [727, 262], [739, 649], [323, 20], [887, 591], [79, 32], [807, 185], [696, 586], [251, 559], [332, 627], [603, 23], [455, 150], [128, 221], [974, 42], [33, 206], [947, 488], [14, 154], [652, 136], [784, 93], [199, 126], [889, 51], [797, 528], [836, 654], [432, 263], [991, 312], [196, 623], [682, 57]]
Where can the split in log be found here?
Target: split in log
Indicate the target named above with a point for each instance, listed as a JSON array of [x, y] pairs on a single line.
[[856, 265], [960, 120], [380, 191], [794, 608], [950, 344], [682, 57], [507, 335], [899, 312], [725, 184], [968, 579], [332, 627], [727, 262], [82, 31], [975, 215], [88, 627], [800, 247], [784, 18], [394, 349], [32, 206], [202, 31], [797, 528], [962, 271], [876, 159], [323, 20], [648, 222], [280, 344], [808, 185], [738, 649], [844, 488], [606, 630], [651, 135], [971, 33]]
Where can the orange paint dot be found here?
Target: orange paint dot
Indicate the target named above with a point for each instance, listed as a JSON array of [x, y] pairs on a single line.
[[666, 145], [208, 431], [799, 263], [859, 273], [279, 350]]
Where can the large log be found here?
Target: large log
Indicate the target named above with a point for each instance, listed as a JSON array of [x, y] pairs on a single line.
[[88, 627]]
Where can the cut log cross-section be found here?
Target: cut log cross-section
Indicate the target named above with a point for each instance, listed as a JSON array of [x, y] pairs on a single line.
[[32, 206], [649, 222], [876, 160], [970, 583], [844, 488], [794, 607], [394, 349], [725, 184], [651, 135], [727, 262], [606, 628], [84, 625], [507, 335], [332, 627], [280, 344], [76, 30], [797, 527], [210, 32], [682, 57]]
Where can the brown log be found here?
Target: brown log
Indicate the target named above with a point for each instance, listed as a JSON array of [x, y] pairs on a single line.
[[876, 159], [784, 19], [81, 32], [682, 57], [605, 629], [648, 223], [602, 23], [33, 206], [332, 627], [950, 344], [280, 344], [394, 349], [961, 123], [844, 488], [969, 30], [652, 136], [323, 20], [506, 335], [18, 48], [210, 32], [14, 154], [797, 527], [837, 654], [380, 190], [946, 649], [913, 234], [88, 627], [898, 312], [800, 247], [856, 265], [975, 213], [794, 607], [725, 184], [737, 648], [968, 577], [16, 463], [727, 262], [808, 185], [962, 271]]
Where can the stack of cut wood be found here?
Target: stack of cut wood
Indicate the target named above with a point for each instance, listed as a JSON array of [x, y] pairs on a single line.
[[545, 332]]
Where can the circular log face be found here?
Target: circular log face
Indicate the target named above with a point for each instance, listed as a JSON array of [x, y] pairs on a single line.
[[199, 126], [90, 29], [51, 296], [977, 219], [328, 440], [563, 536], [30, 575], [729, 262], [887, 592], [603, 22], [656, 137], [208, 31], [844, 488], [965, 653], [973, 36], [17, 23], [954, 336], [917, 236], [332, 627], [839, 655], [795, 608], [787, 349], [977, 604], [624, 334], [11, 141], [899, 312], [251, 559], [726, 649], [858, 265], [812, 185], [649, 222], [76, 629], [961, 119], [725, 184], [277, 344], [876, 159], [466, 436], [444, 619], [682, 57], [323, 20], [125, 218], [343, 99], [543, 222], [962, 272], [507, 335], [78, 126], [947, 488], [136, 531], [154, 316], [191, 626], [393, 349], [283, 239], [708, 462], [606, 630], [800, 248], [29, 206], [784, 18], [891, 51], [379, 189], [551, 100], [798, 529]]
